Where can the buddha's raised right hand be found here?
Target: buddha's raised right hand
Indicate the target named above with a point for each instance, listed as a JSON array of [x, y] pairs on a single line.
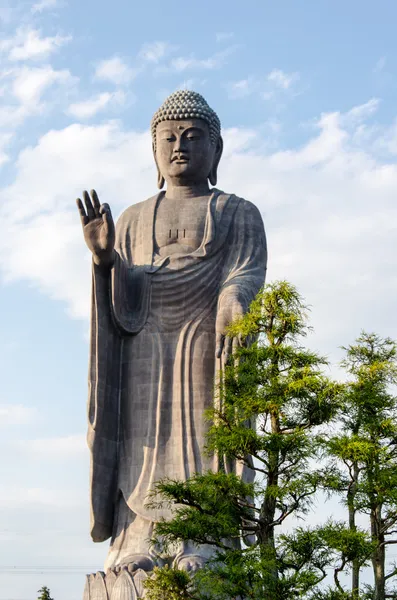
[[98, 228]]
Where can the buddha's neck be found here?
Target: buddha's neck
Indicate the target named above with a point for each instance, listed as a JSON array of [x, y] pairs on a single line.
[[184, 192]]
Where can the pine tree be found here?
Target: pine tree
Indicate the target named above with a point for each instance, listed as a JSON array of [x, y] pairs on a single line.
[[365, 457], [278, 385], [44, 593]]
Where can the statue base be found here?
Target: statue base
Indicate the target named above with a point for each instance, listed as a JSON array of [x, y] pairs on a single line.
[[123, 584]]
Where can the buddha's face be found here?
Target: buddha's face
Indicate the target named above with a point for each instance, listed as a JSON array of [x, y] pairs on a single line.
[[184, 151]]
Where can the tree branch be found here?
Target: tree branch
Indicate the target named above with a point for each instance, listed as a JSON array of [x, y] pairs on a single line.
[[337, 570], [388, 522], [392, 574], [387, 542]]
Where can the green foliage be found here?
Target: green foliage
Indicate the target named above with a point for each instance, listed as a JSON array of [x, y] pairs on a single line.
[[211, 508], [363, 454], [44, 593], [347, 543], [169, 584], [271, 418], [330, 594], [272, 399]]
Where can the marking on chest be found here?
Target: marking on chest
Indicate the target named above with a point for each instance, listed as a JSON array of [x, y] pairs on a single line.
[[178, 233]]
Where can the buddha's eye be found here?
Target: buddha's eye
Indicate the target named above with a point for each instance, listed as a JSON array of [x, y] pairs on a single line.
[[193, 138], [168, 137]]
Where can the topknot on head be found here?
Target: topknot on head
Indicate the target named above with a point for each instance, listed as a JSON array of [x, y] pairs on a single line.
[[185, 104]]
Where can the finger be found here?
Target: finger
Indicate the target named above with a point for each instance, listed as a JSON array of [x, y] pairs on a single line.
[[83, 215], [228, 348], [219, 341], [88, 206], [95, 202], [107, 217], [104, 209]]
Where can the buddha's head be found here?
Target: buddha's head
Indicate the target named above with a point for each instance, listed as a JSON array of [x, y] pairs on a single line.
[[187, 141]]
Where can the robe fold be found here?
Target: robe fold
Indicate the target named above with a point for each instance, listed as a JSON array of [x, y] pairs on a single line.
[[152, 361]]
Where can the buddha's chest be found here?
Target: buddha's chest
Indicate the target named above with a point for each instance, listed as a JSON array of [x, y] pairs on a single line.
[[179, 226]]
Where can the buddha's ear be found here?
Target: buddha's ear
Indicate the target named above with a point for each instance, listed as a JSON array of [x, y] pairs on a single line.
[[213, 176], [160, 178]]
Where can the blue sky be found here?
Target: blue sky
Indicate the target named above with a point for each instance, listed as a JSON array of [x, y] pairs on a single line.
[[306, 95]]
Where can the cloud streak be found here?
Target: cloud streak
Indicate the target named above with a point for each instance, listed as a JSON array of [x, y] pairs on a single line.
[[154, 52], [86, 109], [54, 448], [181, 64], [28, 44], [275, 83], [29, 84], [43, 5], [16, 414], [115, 70], [281, 79]]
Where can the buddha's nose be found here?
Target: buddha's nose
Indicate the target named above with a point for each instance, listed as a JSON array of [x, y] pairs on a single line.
[[180, 145]]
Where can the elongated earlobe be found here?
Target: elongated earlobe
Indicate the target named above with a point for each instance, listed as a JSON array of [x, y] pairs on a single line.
[[160, 180], [213, 174]]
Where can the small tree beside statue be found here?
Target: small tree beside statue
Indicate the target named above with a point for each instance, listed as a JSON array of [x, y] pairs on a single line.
[[273, 403], [312, 436], [44, 593]]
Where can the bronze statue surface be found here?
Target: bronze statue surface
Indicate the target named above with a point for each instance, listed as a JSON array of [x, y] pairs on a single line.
[[167, 280]]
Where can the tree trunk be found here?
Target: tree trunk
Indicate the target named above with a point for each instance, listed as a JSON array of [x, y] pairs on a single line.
[[351, 494], [266, 518], [379, 554], [378, 562], [267, 548]]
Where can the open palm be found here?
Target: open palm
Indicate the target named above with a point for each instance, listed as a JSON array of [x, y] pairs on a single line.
[[98, 228]]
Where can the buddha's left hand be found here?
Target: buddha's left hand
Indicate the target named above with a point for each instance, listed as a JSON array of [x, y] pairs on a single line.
[[226, 315]]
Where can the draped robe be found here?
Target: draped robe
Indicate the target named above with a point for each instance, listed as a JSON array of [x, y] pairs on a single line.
[[152, 356]]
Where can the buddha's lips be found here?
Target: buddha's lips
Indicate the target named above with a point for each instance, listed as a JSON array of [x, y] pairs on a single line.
[[180, 159]]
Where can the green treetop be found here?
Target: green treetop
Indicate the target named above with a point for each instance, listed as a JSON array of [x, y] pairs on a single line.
[[44, 593], [364, 453], [272, 400]]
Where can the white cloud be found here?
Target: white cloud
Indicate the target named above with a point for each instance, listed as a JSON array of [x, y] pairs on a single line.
[[20, 497], [55, 171], [55, 448], [154, 52], [380, 64], [217, 60], [114, 70], [27, 44], [223, 36], [236, 141], [329, 209], [26, 91], [30, 83], [360, 113], [187, 84], [281, 79], [12, 116], [15, 414], [242, 88], [5, 139], [89, 108], [276, 82], [43, 5]]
